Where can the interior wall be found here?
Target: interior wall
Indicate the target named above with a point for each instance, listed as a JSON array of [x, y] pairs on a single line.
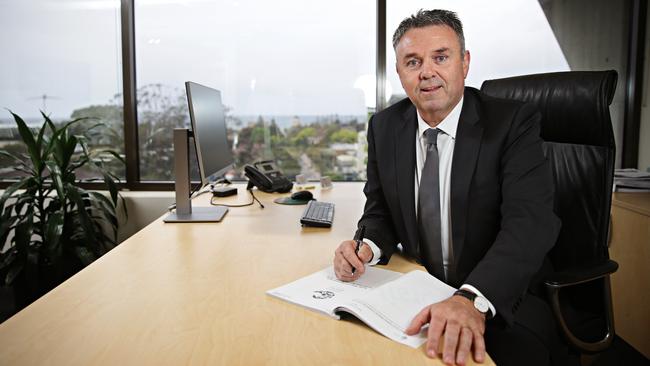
[[644, 131], [142, 208], [593, 36]]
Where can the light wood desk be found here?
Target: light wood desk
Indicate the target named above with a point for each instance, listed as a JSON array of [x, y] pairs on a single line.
[[179, 294], [630, 247]]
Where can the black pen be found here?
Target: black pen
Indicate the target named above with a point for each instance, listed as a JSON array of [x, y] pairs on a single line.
[[358, 238]]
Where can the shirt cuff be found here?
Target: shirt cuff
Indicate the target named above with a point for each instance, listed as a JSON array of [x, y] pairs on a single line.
[[474, 290], [376, 252]]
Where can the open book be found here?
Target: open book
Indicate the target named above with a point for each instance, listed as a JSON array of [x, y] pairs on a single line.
[[386, 301]]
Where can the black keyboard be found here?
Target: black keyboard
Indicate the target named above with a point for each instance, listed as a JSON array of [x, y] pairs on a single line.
[[319, 214]]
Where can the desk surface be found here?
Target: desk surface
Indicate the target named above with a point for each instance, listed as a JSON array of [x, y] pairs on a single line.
[[195, 294], [638, 202]]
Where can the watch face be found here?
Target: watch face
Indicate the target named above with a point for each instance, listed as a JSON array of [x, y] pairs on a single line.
[[481, 304]]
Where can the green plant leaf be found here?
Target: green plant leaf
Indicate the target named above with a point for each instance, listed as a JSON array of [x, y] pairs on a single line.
[[59, 140], [41, 133], [66, 126], [17, 159], [103, 201], [27, 137], [115, 154], [84, 147], [7, 258], [107, 243], [24, 169], [53, 231], [70, 147], [107, 215], [6, 226], [55, 147], [23, 232], [55, 175], [76, 195], [13, 272], [96, 125], [85, 255], [112, 188], [78, 164]]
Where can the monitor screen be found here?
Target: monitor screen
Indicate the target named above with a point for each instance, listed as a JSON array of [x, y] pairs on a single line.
[[209, 127]]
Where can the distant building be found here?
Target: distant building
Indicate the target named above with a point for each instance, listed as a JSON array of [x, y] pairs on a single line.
[[295, 121]]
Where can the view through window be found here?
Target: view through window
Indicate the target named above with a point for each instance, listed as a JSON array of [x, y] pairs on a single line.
[[63, 58], [293, 77], [297, 79]]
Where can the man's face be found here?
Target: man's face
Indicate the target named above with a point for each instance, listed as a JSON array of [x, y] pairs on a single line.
[[432, 70]]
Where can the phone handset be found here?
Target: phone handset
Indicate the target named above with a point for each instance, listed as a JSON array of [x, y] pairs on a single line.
[[266, 177]]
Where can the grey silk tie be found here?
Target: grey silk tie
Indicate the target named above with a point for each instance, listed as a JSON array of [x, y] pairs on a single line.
[[429, 209]]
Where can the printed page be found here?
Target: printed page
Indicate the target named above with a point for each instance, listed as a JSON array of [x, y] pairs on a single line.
[[389, 309], [323, 292]]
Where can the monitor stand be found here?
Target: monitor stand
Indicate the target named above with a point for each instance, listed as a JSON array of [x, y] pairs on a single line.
[[184, 211]]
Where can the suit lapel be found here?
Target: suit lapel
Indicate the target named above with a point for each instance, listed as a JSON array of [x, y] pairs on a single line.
[[405, 168], [466, 151]]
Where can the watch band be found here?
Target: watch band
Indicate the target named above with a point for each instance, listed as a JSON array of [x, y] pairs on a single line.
[[469, 295], [483, 308]]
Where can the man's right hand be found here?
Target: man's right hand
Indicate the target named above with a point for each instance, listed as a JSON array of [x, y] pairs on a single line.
[[345, 259]]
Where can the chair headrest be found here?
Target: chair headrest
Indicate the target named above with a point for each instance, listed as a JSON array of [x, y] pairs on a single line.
[[574, 104]]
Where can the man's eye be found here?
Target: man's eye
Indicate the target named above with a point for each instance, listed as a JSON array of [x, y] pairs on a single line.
[[412, 63], [441, 58]]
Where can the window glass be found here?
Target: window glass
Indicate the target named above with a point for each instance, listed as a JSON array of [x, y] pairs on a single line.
[[296, 79], [63, 58], [498, 34]]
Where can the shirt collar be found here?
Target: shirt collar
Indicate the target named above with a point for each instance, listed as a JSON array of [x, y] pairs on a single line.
[[449, 125]]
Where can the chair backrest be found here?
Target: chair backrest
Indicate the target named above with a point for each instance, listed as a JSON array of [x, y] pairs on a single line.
[[579, 144]]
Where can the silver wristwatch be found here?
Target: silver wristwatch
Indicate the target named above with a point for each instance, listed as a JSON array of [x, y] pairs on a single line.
[[480, 303]]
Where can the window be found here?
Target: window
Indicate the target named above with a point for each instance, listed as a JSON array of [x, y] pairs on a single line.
[[293, 77], [63, 58]]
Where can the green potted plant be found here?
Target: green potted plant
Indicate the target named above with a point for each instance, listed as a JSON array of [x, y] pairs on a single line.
[[50, 227]]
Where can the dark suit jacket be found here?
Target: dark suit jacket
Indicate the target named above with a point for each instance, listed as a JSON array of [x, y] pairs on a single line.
[[501, 194]]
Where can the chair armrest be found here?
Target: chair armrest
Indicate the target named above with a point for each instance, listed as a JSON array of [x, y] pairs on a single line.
[[576, 276]]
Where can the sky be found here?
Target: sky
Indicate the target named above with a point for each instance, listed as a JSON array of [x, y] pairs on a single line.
[[281, 57]]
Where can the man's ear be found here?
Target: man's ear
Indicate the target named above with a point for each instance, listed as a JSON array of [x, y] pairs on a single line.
[[466, 59]]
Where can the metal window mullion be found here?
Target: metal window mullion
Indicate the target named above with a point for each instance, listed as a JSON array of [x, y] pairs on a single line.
[[380, 101], [129, 87], [634, 83]]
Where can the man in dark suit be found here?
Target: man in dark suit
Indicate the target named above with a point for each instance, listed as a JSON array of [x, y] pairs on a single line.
[[459, 179]]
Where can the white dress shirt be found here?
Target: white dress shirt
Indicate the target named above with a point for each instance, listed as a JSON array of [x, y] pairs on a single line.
[[446, 142]]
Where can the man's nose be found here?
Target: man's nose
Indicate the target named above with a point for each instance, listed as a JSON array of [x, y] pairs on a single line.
[[428, 71]]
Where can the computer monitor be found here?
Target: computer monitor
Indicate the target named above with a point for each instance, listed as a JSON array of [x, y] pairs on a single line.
[[209, 129], [212, 151]]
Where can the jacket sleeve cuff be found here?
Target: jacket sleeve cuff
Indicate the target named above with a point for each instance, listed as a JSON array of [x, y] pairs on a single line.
[[376, 252]]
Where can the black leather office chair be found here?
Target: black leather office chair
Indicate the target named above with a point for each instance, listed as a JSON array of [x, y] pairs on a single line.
[[579, 144]]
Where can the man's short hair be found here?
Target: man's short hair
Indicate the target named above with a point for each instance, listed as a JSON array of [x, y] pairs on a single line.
[[425, 18]]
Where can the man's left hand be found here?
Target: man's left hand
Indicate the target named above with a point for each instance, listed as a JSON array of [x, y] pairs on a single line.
[[461, 325]]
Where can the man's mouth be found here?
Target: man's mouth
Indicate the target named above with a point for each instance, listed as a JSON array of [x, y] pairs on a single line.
[[430, 89]]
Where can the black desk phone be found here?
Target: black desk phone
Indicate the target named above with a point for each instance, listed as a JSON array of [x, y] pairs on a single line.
[[267, 177]]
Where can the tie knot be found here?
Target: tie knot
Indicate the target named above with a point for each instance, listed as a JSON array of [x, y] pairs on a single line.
[[431, 136]]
